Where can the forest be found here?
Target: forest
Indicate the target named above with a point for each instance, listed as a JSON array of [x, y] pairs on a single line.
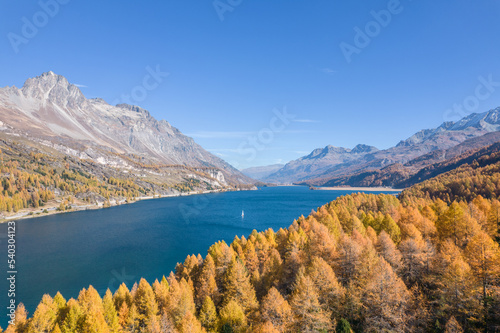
[[425, 261], [30, 178]]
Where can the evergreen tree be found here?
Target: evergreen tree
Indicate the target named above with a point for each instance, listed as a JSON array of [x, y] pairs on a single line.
[[239, 288], [343, 326], [45, 316], [386, 300], [189, 324], [110, 314], [330, 291], [309, 315], [276, 310], [232, 318], [72, 319], [145, 302], [207, 285], [208, 315], [92, 319]]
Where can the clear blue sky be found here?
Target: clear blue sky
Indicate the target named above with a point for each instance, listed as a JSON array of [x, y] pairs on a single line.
[[227, 76]]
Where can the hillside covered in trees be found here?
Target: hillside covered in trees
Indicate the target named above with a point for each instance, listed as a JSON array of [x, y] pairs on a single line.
[[34, 176], [428, 261]]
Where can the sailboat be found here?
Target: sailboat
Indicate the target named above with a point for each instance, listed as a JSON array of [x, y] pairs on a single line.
[[242, 214]]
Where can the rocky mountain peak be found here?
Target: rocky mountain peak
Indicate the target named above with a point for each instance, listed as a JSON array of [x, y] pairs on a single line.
[[50, 108], [363, 149], [54, 88]]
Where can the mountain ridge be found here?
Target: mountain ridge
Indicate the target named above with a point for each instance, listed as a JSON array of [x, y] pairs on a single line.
[[49, 108], [324, 164]]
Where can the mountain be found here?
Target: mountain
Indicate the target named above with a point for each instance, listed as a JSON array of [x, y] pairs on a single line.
[[51, 111], [332, 165], [421, 168], [319, 161], [261, 172]]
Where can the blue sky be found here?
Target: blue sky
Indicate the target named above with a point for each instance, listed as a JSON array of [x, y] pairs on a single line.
[[227, 78]]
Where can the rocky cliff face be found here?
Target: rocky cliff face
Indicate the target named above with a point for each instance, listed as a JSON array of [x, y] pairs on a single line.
[[330, 163], [50, 109]]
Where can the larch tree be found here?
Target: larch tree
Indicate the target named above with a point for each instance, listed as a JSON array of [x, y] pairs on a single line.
[[452, 326], [457, 291], [56, 329], [330, 291], [239, 288], [180, 300], [322, 243], [386, 300], [266, 327], [483, 255], [72, 318], [110, 314], [21, 321], [145, 302], [45, 316], [271, 272], [208, 315], [161, 293], [122, 294], [166, 324], [207, 285], [232, 318], [391, 227], [189, 324], [93, 320], [276, 310], [386, 247], [416, 254], [309, 315]]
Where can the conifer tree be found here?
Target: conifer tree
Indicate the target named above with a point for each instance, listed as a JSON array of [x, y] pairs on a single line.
[[180, 300], [72, 319], [386, 247], [207, 285], [232, 318], [239, 288], [145, 302], [452, 326], [208, 315], [386, 300], [189, 324], [330, 291], [276, 310], [309, 315], [45, 316], [122, 294], [56, 329], [343, 326], [110, 314], [92, 319]]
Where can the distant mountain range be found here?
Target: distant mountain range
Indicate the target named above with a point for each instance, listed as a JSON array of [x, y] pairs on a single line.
[[53, 112], [367, 166], [261, 172]]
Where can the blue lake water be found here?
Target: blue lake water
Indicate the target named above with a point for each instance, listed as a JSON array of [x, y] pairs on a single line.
[[106, 247]]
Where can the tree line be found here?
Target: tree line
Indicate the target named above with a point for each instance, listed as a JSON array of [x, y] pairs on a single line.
[[421, 262]]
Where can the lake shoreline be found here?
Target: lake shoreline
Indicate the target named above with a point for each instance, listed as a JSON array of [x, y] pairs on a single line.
[[51, 208], [362, 189]]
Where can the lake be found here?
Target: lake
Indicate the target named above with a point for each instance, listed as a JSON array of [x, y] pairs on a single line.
[[106, 247]]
